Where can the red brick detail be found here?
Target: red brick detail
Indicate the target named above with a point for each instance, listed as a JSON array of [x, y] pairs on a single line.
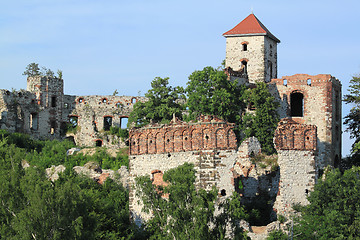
[[103, 178], [208, 133], [291, 135], [245, 42], [244, 59]]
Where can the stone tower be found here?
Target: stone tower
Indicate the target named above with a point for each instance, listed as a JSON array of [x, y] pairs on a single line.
[[314, 100], [251, 51], [49, 92]]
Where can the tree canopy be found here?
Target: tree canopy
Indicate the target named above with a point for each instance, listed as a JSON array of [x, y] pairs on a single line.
[[263, 120], [163, 101], [333, 212], [210, 92], [180, 211]]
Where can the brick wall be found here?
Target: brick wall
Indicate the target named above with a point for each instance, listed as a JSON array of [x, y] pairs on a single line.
[[208, 133]]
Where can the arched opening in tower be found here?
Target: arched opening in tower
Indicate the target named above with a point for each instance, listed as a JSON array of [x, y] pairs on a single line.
[[297, 104]]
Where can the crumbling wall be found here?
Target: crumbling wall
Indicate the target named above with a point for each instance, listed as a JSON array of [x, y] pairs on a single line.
[[208, 133], [296, 146], [321, 107], [91, 112], [209, 144]]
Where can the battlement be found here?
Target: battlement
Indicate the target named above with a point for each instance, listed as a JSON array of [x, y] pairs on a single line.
[[305, 79], [291, 135], [208, 133]]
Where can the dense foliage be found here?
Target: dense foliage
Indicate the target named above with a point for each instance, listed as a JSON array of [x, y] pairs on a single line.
[[262, 121], [352, 120], [33, 70], [162, 103], [73, 207], [210, 92], [334, 211], [180, 211]]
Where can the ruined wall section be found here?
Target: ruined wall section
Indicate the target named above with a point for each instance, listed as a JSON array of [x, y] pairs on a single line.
[[95, 115], [15, 110], [208, 133], [212, 169], [209, 144], [321, 107], [49, 91], [296, 146]]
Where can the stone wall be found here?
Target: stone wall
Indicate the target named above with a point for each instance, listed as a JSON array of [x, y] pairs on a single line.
[[296, 147], [321, 106], [209, 132], [43, 111], [261, 56]]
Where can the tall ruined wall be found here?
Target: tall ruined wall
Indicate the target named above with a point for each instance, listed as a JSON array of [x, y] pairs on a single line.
[[208, 133], [212, 169], [296, 146], [321, 106], [93, 114], [209, 144]]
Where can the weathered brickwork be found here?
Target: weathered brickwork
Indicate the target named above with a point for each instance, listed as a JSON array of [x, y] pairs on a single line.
[[208, 133], [320, 106], [291, 135], [43, 111], [213, 168], [296, 147]]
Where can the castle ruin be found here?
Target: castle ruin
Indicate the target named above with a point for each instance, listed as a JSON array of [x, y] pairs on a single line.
[[308, 137]]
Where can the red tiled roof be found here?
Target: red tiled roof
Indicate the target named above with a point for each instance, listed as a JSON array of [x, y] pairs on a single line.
[[251, 25]]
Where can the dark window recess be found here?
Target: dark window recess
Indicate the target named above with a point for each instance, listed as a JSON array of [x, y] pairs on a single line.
[[245, 47], [223, 192], [53, 101], [107, 123], [297, 104], [244, 66], [98, 143]]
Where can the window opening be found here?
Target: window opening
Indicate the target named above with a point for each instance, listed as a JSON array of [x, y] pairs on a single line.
[[245, 47], [66, 106], [52, 127], [244, 66], [80, 100], [104, 100], [285, 82], [123, 122], [53, 101], [118, 105], [107, 123], [34, 117], [223, 192], [133, 100], [297, 104], [98, 143], [308, 82]]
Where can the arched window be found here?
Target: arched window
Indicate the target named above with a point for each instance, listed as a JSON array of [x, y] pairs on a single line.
[[297, 104], [244, 66], [98, 143]]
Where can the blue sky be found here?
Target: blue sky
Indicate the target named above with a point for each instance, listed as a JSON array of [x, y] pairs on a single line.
[[105, 45]]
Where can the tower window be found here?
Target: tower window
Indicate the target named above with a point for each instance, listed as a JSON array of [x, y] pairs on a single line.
[[308, 82], [244, 47], [53, 101], [297, 104], [285, 82]]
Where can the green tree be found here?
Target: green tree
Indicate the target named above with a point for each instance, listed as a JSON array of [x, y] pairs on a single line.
[[184, 212], [210, 92], [261, 122], [333, 212], [32, 70], [352, 120], [163, 102]]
